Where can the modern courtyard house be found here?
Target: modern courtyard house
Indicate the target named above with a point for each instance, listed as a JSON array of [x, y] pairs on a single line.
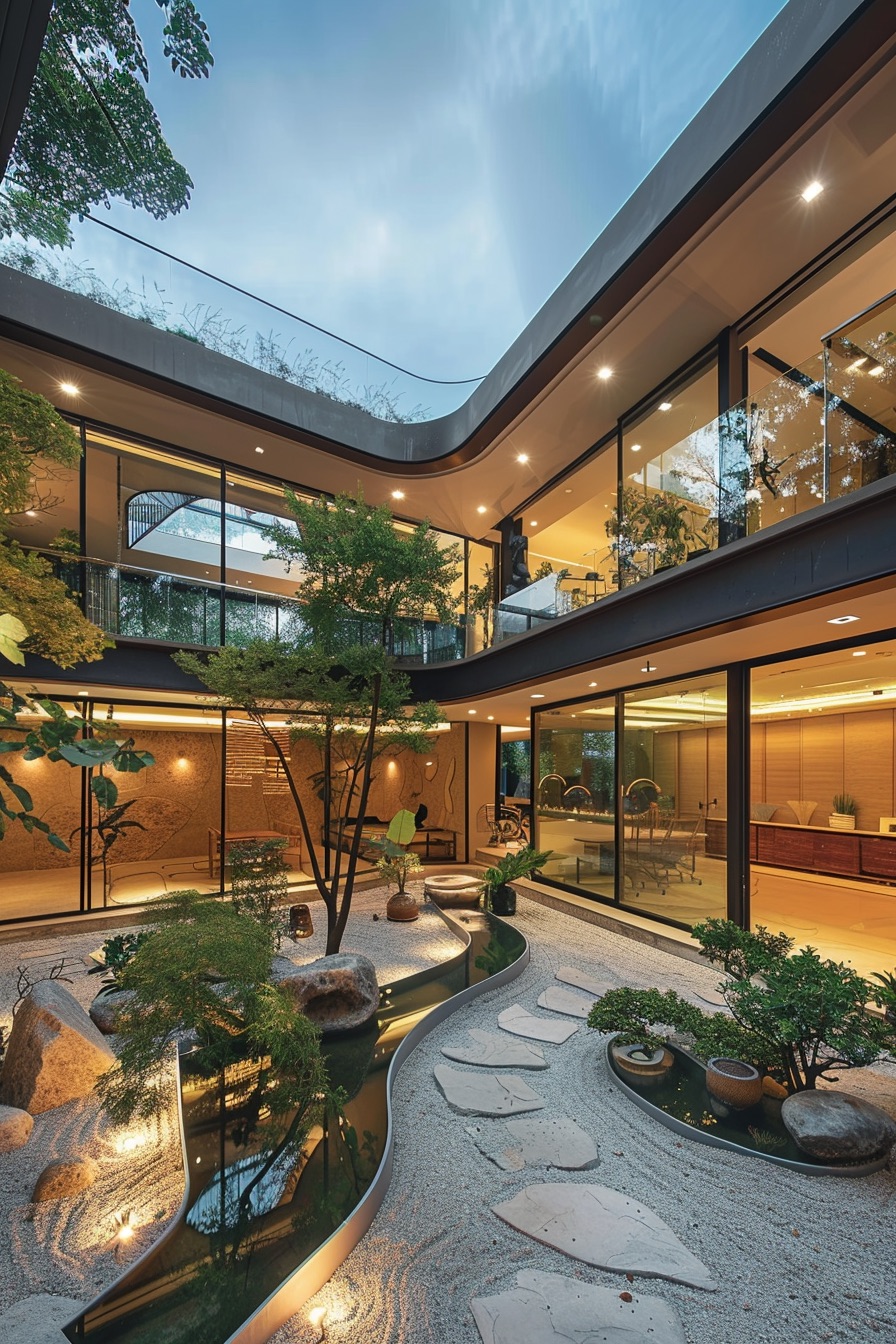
[[679, 483]]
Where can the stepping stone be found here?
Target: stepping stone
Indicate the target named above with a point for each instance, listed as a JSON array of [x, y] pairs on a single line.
[[561, 1001], [604, 1228], [496, 1052], [552, 1309], [520, 1023], [537, 1141], [568, 975], [486, 1093], [38, 1319]]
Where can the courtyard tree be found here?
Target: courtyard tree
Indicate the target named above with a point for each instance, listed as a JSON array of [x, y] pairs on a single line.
[[90, 133], [336, 682]]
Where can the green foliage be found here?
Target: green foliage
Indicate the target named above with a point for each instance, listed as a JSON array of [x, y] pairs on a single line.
[[845, 805], [397, 866], [811, 1013], [740, 952], [656, 521], [34, 439], [200, 969], [89, 132], [648, 1017], [258, 883], [481, 602], [402, 828], [351, 558], [37, 727], [887, 994], [516, 863], [336, 682]]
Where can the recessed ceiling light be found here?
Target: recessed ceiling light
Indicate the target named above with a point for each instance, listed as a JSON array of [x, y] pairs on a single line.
[[398, 494], [471, 711], [532, 522], [568, 490], [70, 389], [665, 405], [481, 508], [858, 653], [522, 457], [842, 620], [491, 718], [636, 447], [592, 684], [604, 373], [537, 696], [814, 189], [258, 448]]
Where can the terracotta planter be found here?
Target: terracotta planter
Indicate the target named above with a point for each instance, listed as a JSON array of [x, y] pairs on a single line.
[[402, 907], [733, 1082], [639, 1063]]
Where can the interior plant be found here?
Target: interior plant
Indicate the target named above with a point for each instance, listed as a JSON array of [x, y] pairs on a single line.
[[498, 896], [811, 1014], [845, 811], [397, 863], [657, 522]]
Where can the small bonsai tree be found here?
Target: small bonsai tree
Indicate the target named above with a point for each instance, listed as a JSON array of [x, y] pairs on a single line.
[[648, 1017], [811, 1013]]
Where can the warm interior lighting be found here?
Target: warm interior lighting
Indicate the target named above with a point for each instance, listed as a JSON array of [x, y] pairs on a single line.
[[182, 762], [814, 189], [665, 406], [258, 448], [858, 653], [533, 523], [481, 508], [471, 711], [398, 494], [491, 718], [70, 389], [842, 620], [604, 373], [537, 696], [648, 667], [636, 447], [523, 458]]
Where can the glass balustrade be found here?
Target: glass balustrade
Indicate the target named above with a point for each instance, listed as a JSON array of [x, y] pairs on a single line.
[[143, 282]]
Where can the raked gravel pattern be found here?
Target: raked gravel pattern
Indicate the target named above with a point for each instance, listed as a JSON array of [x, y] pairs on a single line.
[[803, 1258], [68, 1247]]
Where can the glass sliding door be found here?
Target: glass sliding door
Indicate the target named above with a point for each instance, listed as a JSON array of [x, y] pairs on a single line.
[[674, 799], [573, 782]]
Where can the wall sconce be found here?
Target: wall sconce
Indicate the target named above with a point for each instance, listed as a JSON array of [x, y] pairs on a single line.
[[182, 762]]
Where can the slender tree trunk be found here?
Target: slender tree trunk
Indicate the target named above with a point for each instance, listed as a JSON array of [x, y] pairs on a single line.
[[359, 825]]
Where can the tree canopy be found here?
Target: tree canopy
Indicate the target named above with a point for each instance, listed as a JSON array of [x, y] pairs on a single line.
[[33, 439], [336, 681], [90, 133]]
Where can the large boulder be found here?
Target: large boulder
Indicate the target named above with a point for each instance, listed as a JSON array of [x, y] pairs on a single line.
[[15, 1128], [64, 1178], [838, 1127], [337, 993], [105, 1009], [38, 1319], [55, 1053]]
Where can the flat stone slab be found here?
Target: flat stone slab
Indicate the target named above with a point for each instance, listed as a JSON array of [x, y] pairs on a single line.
[[551, 1309], [519, 1022], [38, 1319], [838, 1127], [569, 975], [604, 1228], [496, 1052], [537, 1141], [486, 1093], [562, 1001]]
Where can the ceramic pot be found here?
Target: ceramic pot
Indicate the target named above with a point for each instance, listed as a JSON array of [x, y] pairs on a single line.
[[640, 1063], [735, 1083], [402, 907], [502, 900]]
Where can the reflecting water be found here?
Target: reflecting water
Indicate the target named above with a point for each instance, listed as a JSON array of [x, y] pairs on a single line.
[[258, 1205]]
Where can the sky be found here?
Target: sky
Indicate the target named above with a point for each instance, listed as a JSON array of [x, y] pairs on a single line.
[[418, 177]]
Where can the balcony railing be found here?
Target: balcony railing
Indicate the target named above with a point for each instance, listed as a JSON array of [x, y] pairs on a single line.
[[133, 603]]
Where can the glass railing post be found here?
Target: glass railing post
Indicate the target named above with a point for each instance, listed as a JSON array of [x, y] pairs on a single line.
[[827, 396]]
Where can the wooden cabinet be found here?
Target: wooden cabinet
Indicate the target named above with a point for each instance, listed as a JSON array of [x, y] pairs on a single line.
[[814, 849], [878, 856]]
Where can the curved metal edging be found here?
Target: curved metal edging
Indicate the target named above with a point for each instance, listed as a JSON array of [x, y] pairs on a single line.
[[314, 1272], [701, 1136]]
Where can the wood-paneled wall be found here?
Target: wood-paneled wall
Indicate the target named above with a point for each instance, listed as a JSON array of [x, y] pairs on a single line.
[[814, 758]]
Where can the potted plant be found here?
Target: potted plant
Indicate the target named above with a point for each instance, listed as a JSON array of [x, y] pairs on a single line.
[[499, 897], [397, 864], [656, 525], [843, 817], [886, 997]]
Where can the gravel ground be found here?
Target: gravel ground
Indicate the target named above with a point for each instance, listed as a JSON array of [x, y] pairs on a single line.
[[808, 1258], [69, 1247]]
